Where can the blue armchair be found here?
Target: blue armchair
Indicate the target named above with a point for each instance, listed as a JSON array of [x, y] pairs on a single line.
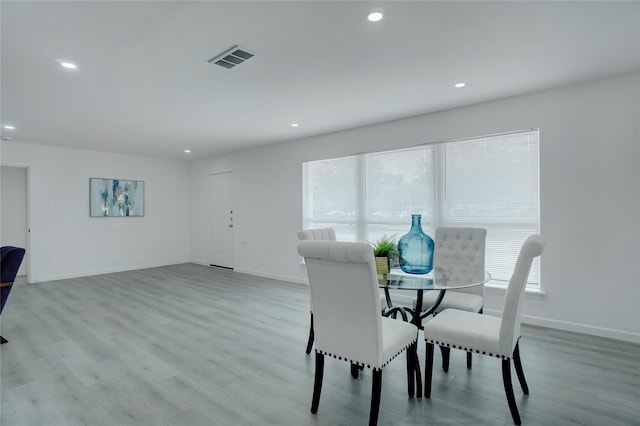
[[10, 260]]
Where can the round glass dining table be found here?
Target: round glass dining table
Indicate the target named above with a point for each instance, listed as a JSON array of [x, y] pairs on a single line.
[[439, 279]]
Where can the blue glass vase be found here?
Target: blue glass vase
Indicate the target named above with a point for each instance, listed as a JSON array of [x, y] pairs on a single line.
[[416, 249]]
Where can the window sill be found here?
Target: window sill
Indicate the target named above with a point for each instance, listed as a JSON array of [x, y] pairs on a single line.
[[529, 293]]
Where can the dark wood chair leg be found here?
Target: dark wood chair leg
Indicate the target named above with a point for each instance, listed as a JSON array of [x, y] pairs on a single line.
[[376, 390], [518, 364], [446, 354], [317, 383], [508, 389], [428, 370], [355, 370], [418, 375], [411, 371], [311, 336], [470, 354]]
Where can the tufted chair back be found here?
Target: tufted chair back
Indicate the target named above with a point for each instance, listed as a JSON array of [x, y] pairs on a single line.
[[317, 234], [324, 234], [511, 311], [461, 251], [346, 299]]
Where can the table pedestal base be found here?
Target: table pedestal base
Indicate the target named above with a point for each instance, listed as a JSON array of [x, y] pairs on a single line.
[[414, 376]]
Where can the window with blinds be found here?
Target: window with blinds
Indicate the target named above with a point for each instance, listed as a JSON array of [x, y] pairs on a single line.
[[489, 182]]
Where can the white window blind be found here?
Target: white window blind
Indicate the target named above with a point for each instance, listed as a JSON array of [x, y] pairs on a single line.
[[489, 182], [331, 195], [396, 184]]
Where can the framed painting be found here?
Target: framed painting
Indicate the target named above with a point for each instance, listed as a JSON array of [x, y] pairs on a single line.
[[116, 197]]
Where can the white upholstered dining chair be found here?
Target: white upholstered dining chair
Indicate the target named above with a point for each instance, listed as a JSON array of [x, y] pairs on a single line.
[[488, 335], [461, 251], [326, 234], [347, 321]]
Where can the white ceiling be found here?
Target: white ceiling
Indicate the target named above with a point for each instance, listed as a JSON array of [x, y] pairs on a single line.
[[143, 84]]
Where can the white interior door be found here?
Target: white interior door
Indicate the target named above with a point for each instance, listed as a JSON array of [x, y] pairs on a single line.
[[221, 226]]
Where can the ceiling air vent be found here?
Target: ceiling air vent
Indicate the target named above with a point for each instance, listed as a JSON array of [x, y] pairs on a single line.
[[231, 57]]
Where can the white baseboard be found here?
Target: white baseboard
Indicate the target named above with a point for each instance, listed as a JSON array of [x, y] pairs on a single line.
[[591, 330], [260, 273], [273, 276], [45, 278]]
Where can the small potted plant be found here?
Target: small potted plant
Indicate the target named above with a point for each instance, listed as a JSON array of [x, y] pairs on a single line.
[[384, 250]]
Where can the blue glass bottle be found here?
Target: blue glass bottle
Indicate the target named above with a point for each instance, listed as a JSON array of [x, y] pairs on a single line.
[[416, 249]]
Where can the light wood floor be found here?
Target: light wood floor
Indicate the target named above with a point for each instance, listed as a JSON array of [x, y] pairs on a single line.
[[190, 345]]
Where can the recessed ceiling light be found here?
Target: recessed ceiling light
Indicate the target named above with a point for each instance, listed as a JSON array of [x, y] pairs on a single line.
[[66, 64], [9, 127], [459, 85], [294, 124], [374, 16], [187, 151]]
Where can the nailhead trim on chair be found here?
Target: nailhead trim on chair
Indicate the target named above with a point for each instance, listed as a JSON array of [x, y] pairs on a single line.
[[448, 345], [362, 364]]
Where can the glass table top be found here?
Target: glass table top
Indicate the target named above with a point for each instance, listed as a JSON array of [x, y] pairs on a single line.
[[437, 279]]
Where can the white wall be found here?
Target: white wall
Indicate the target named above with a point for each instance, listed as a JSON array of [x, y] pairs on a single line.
[[13, 215], [589, 186], [65, 242]]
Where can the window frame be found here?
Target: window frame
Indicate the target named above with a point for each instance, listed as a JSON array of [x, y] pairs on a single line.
[[361, 224]]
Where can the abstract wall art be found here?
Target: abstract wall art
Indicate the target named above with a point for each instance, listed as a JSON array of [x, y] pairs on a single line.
[[116, 197]]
